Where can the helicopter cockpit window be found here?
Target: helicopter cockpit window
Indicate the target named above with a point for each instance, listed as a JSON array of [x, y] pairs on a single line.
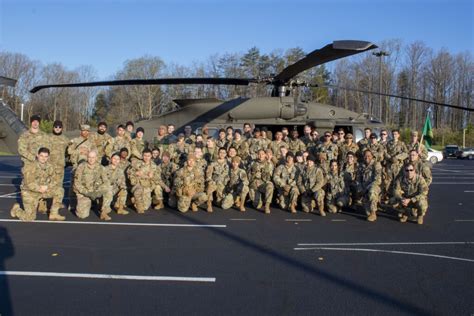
[[358, 133]]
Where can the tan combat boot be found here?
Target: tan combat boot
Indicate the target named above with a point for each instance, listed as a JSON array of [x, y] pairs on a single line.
[[42, 207], [403, 218], [194, 207], [14, 209], [237, 202], [105, 217], [293, 208], [54, 216], [419, 220], [267, 208], [159, 205], [372, 217], [332, 209], [121, 210], [209, 206]]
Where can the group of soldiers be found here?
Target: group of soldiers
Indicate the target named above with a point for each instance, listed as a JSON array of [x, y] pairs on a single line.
[[319, 173]]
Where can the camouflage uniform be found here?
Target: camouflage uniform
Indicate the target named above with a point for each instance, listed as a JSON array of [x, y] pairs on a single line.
[[162, 143], [311, 184], [242, 148], [423, 169], [423, 152], [350, 178], [237, 189], [395, 154], [295, 145], [145, 178], [210, 154], [57, 155], [362, 144], [91, 183], [118, 185], [115, 144], [325, 153], [178, 149], [168, 171], [307, 141], [378, 150], [217, 176], [100, 142], [256, 144], [36, 175], [136, 148], [369, 179], [189, 184], [78, 150], [417, 191], [261, 183], [285, 178], [337, 193], [29, 143], [344, 149], [275, 147]]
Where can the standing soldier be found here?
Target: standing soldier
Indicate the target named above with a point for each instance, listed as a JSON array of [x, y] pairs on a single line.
[[255, 144], [189, 136], [116, 176], [349, 171], [32, 140], [285, 178], [337, 193], [200, 162], [121, 140], [368, 181], [237, 187], [384, 137], [221, 139], [346, 147], [168, 170], [326, 151], [261, 172], [217, 176], [101, 139], [129, 127], [39, 183], [307, 138], [411, 191], [90, 184], [295, 144], [138, 145], [416, 144], [161, 140], [171, 136], [57, 157], [189, 183], [363, 143], [211, 150], [395, 155], [178, 149], [311, 184]]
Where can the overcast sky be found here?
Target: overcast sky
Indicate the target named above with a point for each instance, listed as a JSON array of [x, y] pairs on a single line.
[[106, 33]]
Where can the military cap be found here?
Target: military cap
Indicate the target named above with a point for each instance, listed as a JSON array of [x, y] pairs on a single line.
[[140, 129], [85, 127], [58, 123], [414, 133], [35, 118]]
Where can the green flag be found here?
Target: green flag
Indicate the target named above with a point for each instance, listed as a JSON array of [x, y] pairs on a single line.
[[427, 132]]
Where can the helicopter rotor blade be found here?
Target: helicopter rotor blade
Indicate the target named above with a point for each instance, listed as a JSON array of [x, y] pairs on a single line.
[[163, 81], [395, 96], [330, 52]]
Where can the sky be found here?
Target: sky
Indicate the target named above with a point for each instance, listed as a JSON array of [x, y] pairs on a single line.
[[105, 33]]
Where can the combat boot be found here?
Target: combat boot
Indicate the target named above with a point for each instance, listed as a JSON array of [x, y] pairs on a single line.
[[14, 209], [403, 218], [419, 220], [372, 217], [209, 206], [105, 217], [293, 208], [332, 209], [237, 202], [54, 216], [140, 209], [194, 207], [159, 205], [42, 207], [121, 210], [267, 208]]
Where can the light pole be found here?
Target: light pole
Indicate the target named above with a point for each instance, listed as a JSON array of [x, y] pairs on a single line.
[[380, 54]]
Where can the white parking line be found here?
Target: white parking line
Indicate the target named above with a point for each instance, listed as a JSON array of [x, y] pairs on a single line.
[[452, 183], [468, 191], [390, 243], [243, 219], [464, 220], [338, 220], [113, 223], [297, 220], [107, 276], [389, 251]]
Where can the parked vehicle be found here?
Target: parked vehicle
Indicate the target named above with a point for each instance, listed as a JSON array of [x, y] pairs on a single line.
[[450, 151], [434, 155], [465, 153]]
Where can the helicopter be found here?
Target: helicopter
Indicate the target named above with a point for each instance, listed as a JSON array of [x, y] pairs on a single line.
[[283, 108]]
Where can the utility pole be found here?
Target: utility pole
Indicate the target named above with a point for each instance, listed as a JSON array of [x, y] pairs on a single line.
[[380, 54]]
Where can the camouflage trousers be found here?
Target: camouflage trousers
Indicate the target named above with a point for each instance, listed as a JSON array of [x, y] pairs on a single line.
[[120, 196], [308, 197], [84, 201], [370, 198], [256, 191], [389, 174], [334, 201], [59, 174], [142, 196], [31, 200], [218, 188], [184, 201], [420, 206], [157, 194], [231, 196], [285, 199]]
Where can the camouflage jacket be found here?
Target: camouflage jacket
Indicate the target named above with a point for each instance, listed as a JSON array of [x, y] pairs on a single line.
[[275, 147], [137, 146], [58, 150], [346, 148], [396, 152], [36, 174], [285, 175], [115, 144], [90, 178], [189, 179], [242, 148], [116, 177], [295, 145], [168, 172], [218, 172], [29, 143], [311, 180], [100, 142], [237, 179], [422, 168], [145, 175], [79, 148], [335, 185], [377, 150], [414, 189], [423, 152], [369, 176], [328, 151], [260, 172]]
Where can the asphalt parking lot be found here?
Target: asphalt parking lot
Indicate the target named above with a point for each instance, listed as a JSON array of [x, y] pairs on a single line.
[[232, 263]]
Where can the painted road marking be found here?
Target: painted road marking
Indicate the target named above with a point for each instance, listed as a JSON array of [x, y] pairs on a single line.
[[390, 243], [464, 220], [243, 219], [297, 220], [468, 191], [452, 182], [338, 220], [112, 223], [389, 251], [107, 276]]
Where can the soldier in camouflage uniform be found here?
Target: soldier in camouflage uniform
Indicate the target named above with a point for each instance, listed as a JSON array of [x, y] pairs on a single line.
[[237, 187], [395, 155], [415, 144], [189, 184], [422, 168], [311, 184], [369, 179], [168, 171], [326, 151], [307, 138], [337, 193], [116, 176], [276, 145], [255, 144], [121, 140], [101, 139], [377, 149], [295, 144], [137, 145], [221, 139], [189, 136], [300, 161], [347, 146], [39, 182], [57, 157], [200, 161], [261, 172], [217, 176], [285, 178], [349, 171], [161, 140], [145, 179], [411, 191], [240, 145], [210, 151], [179, 149], [363, 143], [90, 184], [32, 140]]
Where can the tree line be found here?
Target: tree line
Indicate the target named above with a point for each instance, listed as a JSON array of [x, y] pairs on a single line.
[[412, 70]]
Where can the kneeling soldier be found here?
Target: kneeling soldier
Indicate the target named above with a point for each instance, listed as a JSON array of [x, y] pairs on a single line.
[[237, 188], [217, 176], [261, 181], [285, 178], [116, 176], [189, 183], [411, 191], [369, 179], [90, 184], [337, 193], [39, 182]]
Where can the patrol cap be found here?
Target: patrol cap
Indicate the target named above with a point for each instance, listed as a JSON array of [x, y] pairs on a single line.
[[373, 135], [414, 133], [58, 123], [236, 159], [35, 118], [85, 127], [140, 129]]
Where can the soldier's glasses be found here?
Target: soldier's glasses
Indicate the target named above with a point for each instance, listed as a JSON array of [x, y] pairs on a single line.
[[408, 170], [327, 135]]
